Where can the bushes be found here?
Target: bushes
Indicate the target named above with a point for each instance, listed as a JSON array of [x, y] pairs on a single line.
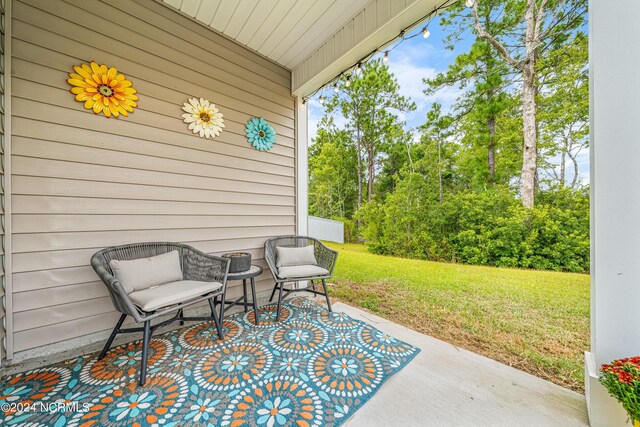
[[350, 232], [485, 228]]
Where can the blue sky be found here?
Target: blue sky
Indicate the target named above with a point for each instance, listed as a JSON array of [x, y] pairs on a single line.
[[410, 62]]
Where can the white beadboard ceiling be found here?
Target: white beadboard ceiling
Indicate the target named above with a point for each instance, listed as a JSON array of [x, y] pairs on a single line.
[[286, 31]]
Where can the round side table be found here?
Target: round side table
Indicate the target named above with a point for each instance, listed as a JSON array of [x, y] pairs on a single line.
[[250, 274]]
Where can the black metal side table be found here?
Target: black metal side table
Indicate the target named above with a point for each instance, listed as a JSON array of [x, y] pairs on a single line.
[[250, 274]]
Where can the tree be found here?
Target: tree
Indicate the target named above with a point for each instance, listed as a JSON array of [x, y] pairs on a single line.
[[437, 129], [481, 74], [545, 24], [368, 103], [473, 134], [398, 156], [564, 112], [332, 175]]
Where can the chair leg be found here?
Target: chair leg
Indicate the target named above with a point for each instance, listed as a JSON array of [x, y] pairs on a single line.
[[223, 298], [181, 315], [215, 318], [279, 303], [105, 349], [145, 352], [244, 293], [273, 292], [255, 302], [212, 304], [326, 294]]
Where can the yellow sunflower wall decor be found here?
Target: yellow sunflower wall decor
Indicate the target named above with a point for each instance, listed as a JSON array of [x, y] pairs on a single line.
[[103, 90]]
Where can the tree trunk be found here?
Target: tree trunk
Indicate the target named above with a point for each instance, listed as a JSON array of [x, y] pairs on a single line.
[[563, 168], [371, 160], [359, 149], [409, 156], [529, 112], [491, 153], [359, 157], [440, 166], [576, 171], [527, 66], [370, 173]]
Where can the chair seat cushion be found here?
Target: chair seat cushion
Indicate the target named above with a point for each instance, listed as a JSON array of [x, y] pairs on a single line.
[[142, 273], [172, 293], [302, 271]]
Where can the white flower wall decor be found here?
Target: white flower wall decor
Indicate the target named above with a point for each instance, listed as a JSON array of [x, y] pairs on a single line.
[[203, 117]]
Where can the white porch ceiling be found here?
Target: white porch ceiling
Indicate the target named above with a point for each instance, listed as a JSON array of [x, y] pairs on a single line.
[[315, 39], [286, 31]]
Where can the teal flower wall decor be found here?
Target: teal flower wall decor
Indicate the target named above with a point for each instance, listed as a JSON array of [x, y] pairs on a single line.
[[260, 134]]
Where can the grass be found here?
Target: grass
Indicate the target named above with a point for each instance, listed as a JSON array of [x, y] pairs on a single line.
[[536, 321]]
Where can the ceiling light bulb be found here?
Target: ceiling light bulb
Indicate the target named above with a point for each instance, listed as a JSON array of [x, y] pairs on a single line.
[[469, 3], [321, 100], [425, 32], [386, 57], [347, 83], [335, 87], [359, 69]]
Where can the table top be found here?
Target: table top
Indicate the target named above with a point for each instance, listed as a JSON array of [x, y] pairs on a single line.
[[254, 271]]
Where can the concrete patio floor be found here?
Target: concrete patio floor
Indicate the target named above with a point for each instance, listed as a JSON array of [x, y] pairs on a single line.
[[446, 385], [443, 386]]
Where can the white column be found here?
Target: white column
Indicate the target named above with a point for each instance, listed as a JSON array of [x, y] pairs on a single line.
[[615, 196], [302, 168]]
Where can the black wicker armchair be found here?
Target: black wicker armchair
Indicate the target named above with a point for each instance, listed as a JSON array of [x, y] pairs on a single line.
[[321, 271], [203, 278]]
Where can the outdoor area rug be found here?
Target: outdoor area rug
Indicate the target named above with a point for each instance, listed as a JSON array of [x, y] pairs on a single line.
[[313, 368]]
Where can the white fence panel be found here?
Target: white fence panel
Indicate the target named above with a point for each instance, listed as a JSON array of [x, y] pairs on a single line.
[[326, 229]]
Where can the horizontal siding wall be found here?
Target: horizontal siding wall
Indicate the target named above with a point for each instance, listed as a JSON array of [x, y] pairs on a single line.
[[82, 182], [3, 144]]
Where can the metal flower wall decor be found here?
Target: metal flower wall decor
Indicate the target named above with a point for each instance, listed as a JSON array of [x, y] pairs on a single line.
[[260, 133], [103, 90], [203, 117]]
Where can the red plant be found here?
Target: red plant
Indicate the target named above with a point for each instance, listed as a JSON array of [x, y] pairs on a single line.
[[622, 379]]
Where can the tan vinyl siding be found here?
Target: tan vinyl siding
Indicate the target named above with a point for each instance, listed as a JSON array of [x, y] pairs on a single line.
[[82, 182]]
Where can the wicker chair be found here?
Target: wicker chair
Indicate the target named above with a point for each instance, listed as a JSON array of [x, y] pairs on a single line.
[[325, 258], [195, 265]]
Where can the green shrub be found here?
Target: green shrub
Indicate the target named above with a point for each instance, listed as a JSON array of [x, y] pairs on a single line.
[[350, 232], [486, 228]]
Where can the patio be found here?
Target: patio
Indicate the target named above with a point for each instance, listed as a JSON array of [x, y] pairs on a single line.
[[313, 367], [75, 179], [442, 385], [447, 386]]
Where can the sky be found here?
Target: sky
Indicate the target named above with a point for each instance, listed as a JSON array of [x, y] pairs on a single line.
[[410, 62]]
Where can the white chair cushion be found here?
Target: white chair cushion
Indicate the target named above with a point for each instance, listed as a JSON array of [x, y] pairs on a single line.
[[172, 293], [287, 257], [142, 273], [301, 271]]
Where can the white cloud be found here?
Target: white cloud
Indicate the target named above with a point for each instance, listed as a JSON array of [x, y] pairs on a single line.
[[316, 111], [315, 114], [405, 63]]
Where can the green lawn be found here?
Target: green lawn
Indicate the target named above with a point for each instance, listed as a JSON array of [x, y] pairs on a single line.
[[537, 321]]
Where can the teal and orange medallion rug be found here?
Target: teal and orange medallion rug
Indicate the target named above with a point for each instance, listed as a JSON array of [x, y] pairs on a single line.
[[313, 368]]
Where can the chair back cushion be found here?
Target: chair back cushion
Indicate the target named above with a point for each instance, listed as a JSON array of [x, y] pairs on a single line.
[[289, 257], [142, 273]]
